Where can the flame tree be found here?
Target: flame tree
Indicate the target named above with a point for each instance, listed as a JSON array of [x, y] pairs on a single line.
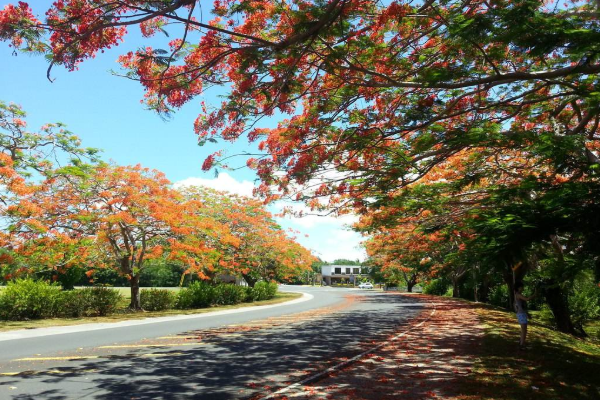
[[380, 93], [264, 250], [27, 158], [487, 108]]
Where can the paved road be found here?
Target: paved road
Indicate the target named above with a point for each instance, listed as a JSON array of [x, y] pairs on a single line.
[[236, 356]]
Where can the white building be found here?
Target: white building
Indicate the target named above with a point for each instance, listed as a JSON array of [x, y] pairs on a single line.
[[332, 274]]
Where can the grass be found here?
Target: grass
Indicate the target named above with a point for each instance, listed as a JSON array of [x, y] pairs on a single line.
[[125, 314], [556, 365], [593, 330]]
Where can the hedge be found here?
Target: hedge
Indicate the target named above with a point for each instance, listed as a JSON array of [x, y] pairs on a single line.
[[25, 299], [203, 294], [157, 299], [30, 299]]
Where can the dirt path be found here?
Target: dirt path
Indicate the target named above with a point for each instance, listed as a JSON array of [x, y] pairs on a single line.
[[426, 362]]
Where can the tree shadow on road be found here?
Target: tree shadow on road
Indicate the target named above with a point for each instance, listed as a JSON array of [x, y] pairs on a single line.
[[232, 367], [425, 361]]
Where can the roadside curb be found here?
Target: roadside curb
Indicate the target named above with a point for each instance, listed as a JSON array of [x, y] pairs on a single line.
[[430, 361], [318, 376], [60, 330]]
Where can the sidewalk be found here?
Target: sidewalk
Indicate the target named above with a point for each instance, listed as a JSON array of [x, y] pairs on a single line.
[[423, 363]]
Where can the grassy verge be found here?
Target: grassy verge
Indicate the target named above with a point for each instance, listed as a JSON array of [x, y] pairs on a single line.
[[593, 330], [556, 366], [125, 314]]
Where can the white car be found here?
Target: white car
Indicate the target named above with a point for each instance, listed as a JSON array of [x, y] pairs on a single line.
[[365, 285]]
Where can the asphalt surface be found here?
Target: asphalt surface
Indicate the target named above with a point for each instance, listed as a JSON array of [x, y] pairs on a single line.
[[234, 356]]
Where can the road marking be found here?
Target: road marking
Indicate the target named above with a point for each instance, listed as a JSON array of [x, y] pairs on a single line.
[[347, 362], [69, 358], [135, 346], [50, 371], [178, 337], [284, 319], [55, 358], [251, 323]]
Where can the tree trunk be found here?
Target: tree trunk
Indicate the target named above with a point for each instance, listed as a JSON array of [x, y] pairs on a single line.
[[457, 276], [135, 293], [455, 287], [475, 284], [514, 276], [508, 279], [410, 282], [557, 302], [484, 291], [249, 280]]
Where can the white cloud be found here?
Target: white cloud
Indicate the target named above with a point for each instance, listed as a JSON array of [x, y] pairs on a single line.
[[340, 243], [329, 237], [310, 219], [340, 235], [223, 182], [320, 221], [331, 254]]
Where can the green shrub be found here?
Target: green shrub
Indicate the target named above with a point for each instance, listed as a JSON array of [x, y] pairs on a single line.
[[271, 289], [203, 294], [546, 316], [29, 299], [184, 299], [72, 304], [263, 291], [157, 299], [259, 291], [584, 305], [499, 296], [437, 287], [226, 294], [100, 301], [197, 295], [248, 293]]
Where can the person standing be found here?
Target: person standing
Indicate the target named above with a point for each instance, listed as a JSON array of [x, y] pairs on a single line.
[[521, 309]]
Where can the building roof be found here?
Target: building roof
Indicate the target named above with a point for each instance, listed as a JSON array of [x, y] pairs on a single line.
[[342, 265]]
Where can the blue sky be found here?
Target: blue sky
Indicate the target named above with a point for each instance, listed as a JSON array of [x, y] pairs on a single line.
[[105, 112]]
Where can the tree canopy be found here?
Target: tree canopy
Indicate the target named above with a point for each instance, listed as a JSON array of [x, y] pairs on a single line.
[[380, 93], [99, 216], [468, 129]]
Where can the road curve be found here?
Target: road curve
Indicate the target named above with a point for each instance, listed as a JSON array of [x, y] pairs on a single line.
[[16, 344], [236, 356]]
